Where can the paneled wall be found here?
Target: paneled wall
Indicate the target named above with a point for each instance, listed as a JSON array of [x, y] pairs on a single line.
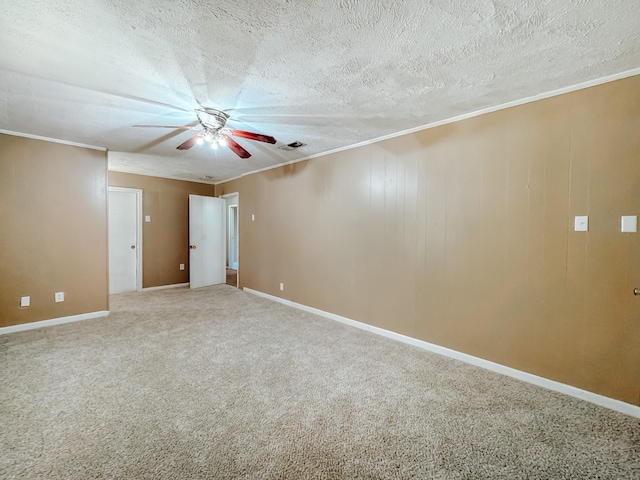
[[53, 230], [462, 235], [165, 240]]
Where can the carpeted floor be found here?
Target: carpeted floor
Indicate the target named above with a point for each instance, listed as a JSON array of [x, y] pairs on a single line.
[[217, 383]]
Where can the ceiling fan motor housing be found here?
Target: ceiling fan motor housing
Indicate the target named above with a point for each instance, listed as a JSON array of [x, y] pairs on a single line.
[[218, 118]]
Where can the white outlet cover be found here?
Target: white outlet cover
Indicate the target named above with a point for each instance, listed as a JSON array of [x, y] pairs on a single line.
[[147, 218], [182, 266], [25, 301], [282, 287], [253, 217], [59, 297], [629, 224], [581, 223]]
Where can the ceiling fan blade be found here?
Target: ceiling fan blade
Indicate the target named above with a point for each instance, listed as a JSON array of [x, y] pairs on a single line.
[[189, 143], [178, 127], [237, 149], [253, 136]]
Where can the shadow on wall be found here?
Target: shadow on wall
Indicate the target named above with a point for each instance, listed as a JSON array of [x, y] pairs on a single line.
[[286, 171], [421, 141], [329, 174]]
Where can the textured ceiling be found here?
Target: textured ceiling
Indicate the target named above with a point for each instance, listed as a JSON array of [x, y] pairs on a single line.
[[330, 74]]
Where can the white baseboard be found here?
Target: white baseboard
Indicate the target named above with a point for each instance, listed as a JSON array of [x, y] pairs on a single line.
[[591, 397], [164, 287], [54, 321]]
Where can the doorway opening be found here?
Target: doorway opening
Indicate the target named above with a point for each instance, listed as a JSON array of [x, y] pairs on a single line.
[[232, 200]]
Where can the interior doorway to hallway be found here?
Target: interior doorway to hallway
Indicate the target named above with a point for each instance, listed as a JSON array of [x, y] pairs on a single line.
[[232, 222]]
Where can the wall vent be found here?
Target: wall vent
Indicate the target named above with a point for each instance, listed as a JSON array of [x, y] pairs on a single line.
[[207, 177], [292, 146]]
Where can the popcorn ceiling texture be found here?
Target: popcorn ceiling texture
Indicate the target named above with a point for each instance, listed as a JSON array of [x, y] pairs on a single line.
[[330, 74]]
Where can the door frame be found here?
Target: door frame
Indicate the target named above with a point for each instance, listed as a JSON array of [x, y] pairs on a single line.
[[226, 197], [232, 250], [138, 193]]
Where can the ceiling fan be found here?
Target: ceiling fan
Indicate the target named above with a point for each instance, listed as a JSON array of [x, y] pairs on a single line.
[[213, 130]]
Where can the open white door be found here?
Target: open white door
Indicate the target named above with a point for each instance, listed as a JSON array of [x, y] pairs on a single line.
[[124, 240], [207, 246]]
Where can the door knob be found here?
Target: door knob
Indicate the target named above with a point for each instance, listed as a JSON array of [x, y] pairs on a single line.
[[133, 247], [636, 291], [192, 247]]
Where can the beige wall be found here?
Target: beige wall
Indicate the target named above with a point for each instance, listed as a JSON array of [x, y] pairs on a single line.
[[53, 229], [462, 236], [166, 238]]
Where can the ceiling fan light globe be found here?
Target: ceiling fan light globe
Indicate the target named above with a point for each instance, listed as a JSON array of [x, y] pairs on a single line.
[[199, 141], [222, 142], [214, 145]]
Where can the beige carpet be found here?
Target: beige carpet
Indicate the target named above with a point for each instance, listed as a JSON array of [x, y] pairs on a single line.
[[217, 383]]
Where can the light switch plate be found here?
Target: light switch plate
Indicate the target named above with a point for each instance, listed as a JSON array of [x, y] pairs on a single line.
[[25, 301], [182, 266], [629, 224], [582, 224], [59, 297], [253, 217], [282, 287], [147, 218]]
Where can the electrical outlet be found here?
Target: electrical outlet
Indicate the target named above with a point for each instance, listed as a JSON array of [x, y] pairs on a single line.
[[182, 266], [59, 297], [25, 301], [281, 287]]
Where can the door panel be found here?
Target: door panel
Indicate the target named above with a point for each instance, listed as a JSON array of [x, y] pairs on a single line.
[[123, 241], [207, 244]]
